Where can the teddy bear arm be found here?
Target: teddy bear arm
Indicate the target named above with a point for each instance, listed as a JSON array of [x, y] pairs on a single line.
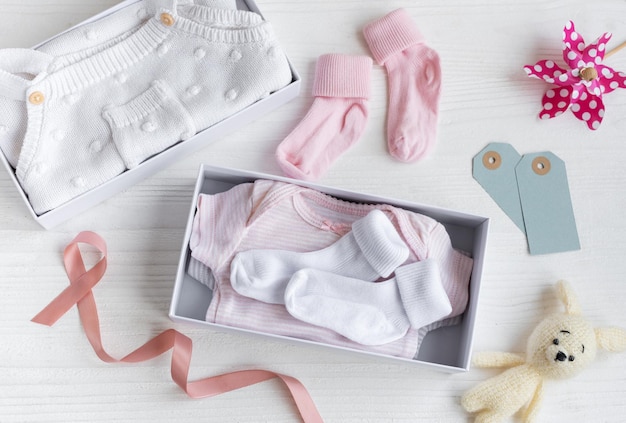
[[497, 359], [530, 413], [503, 395]]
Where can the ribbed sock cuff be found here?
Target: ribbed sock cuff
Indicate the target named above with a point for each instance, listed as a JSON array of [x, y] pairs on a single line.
[[424, 299], [380, 243], [340, 75], [392, 33]]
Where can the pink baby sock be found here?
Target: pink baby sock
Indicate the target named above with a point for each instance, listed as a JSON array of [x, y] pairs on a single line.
[[414, 76], [335, 120]]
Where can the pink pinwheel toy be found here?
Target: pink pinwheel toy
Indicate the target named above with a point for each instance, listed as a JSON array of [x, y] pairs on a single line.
[[581, 87]]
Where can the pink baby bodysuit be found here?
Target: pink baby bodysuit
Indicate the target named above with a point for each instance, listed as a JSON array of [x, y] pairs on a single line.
[[276, 215]]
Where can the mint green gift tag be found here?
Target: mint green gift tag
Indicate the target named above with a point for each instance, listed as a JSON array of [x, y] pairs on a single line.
[[546, 204], [533, 191], [494, 169]]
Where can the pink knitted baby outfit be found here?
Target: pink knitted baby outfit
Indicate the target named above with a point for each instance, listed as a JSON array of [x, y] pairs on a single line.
[[414, 76], [335, 120], [276, 215]]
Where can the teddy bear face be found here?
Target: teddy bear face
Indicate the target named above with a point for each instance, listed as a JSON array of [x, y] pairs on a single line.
[[562, 345]]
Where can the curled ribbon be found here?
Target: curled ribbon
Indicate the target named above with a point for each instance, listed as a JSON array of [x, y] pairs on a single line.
[[79, 293]]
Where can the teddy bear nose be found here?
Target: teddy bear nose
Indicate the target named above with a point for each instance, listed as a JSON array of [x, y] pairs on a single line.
[[560, 356]]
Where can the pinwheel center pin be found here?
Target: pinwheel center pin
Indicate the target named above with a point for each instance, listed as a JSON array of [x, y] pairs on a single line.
[[588, 74]]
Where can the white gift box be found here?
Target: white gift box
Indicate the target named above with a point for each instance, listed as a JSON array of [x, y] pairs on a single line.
[[156, 163], [447, 349]]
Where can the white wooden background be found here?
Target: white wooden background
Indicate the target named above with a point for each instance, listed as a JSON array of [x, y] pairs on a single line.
[[52, 375]]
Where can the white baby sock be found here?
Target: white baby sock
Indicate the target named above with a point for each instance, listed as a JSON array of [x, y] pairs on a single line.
[[365, 312], [372, 249]]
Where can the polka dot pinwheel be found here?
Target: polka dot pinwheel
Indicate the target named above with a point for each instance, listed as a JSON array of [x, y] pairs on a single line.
[[581, 87]]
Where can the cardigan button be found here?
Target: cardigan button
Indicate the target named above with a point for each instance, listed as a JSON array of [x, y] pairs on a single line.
[[167, 19], [36, 98]]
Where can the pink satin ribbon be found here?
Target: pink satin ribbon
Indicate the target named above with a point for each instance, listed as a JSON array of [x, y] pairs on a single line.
[[79, 293]]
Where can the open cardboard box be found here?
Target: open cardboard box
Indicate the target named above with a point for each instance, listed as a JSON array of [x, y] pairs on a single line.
[[156, 163], [447, 349]]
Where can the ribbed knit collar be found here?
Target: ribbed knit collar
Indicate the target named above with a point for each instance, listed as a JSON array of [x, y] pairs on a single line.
[[201, 21], [78, 70]]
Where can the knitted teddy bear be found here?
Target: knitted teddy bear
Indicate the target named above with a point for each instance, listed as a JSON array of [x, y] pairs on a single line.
[[561, 346]]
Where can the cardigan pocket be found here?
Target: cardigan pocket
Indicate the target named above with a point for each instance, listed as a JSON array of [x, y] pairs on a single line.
[[149, 123]]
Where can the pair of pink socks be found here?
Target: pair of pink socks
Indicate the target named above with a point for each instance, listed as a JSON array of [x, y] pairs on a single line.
[[341, 89]]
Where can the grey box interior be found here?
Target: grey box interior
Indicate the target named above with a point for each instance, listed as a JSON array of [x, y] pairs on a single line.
[[448, 348]]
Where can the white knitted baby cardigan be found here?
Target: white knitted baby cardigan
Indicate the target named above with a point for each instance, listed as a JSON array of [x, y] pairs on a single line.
[[105, 96]]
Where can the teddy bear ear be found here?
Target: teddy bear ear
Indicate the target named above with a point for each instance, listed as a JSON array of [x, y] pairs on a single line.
[[567, 296], [611, 339]]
